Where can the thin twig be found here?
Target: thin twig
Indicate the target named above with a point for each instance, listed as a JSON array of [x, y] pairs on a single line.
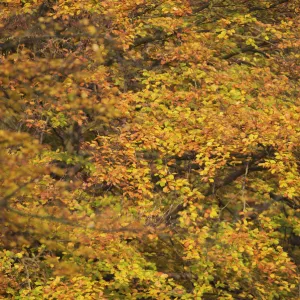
[[43, 130], [244, 187], [27, 274]]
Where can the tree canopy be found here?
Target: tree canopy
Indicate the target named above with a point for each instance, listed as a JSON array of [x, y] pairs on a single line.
[[149, 149]]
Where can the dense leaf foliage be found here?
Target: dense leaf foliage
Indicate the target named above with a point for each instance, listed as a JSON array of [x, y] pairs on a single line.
[[149, 149]]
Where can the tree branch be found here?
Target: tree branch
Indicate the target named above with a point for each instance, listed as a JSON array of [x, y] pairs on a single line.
[[256, 8], [219, 184], [244, 50], [70, 223], [287, 201], [4, 200]]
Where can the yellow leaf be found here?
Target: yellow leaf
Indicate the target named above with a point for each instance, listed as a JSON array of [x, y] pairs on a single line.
[[166, 189], [213, 213]]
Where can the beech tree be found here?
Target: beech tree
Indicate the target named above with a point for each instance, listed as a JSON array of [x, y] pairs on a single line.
[[149, 149]]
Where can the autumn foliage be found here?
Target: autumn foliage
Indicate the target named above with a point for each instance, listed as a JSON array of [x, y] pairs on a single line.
[[149, 149]]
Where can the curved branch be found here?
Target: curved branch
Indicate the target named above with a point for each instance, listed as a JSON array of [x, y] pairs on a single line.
[[221, 183]]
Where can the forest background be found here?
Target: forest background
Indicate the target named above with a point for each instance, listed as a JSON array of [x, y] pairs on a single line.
[[149, 149]]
